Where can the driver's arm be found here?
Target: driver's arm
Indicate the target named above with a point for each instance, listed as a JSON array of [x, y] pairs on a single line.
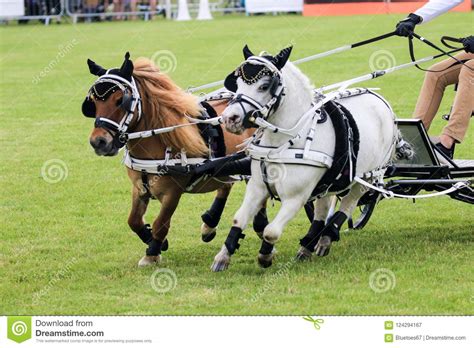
[[424, 14], [434, 8]]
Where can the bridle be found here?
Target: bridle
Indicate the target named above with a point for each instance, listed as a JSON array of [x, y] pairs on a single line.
[[276, 88], [131, 102]]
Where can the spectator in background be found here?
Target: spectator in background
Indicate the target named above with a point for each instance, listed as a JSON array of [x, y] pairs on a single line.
[[32, 7], [52, 7], [152, 6], [90, 6]]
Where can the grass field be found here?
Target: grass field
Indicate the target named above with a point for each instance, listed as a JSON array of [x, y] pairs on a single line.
[[65, 247]]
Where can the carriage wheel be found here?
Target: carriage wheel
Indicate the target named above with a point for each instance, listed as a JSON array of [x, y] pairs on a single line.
[[362, 214]]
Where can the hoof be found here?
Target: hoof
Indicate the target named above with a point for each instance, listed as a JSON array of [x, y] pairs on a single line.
[[219, 266], [303, 254], [221, 261], [207, 233], [208, 237], [165, 245], [149, 260], [265, 261], [323, 246]]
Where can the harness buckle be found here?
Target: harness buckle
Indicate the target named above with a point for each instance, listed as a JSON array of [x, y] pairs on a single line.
[[123, 137]]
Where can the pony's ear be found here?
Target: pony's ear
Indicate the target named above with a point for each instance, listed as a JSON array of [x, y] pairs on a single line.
[[95, 69], [281, 58], [247, 52], [126, 70]]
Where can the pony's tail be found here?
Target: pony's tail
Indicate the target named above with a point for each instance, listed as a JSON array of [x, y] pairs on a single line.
[[403, 149]]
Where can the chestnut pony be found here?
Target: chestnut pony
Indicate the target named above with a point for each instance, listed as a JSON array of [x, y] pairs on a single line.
[[161, 103]]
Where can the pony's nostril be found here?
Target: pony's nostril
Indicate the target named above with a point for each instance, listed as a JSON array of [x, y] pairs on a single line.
[[98, 143]]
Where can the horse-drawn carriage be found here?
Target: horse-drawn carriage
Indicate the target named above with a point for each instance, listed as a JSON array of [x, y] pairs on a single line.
[[428, 170]]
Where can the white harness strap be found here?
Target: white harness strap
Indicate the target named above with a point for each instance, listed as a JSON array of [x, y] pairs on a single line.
[[156, 166], [391, 194], [122, 84], [287, 154], [290, 156]]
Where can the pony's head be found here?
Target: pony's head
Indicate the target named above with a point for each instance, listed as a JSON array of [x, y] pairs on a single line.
[[112, 101], [118, 97], [258, 87]]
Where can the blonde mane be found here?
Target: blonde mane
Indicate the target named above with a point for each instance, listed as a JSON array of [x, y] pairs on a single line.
[[165, 104]]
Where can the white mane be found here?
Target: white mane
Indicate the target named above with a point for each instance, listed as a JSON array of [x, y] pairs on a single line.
[[297, 100], [298, 76]]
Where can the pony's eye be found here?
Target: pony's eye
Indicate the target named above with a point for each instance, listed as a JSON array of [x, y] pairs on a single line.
[[119, 102], [264, 87]]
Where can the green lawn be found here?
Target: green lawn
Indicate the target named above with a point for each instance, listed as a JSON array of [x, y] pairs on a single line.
[[65, 248]]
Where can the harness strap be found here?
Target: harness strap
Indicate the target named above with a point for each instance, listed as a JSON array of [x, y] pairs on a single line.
[[263, 169], [342, 171], [146, 185], [390, 194]]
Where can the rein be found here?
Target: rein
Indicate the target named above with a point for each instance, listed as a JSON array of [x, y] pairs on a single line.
[[309, 58], [378, 73], [119, 131], [340, 92], [193, 121], [429, 43], [355, 45]]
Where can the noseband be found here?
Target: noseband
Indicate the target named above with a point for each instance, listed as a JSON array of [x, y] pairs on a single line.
[[131, 101], [276, 89]]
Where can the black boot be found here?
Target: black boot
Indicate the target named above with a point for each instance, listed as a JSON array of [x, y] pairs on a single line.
[[444, 150]]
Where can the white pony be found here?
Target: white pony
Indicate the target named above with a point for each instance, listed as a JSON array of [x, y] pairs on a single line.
[[274, 94]]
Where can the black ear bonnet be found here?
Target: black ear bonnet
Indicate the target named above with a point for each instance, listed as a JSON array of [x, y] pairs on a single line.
[[250, 73], [102, 91]]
